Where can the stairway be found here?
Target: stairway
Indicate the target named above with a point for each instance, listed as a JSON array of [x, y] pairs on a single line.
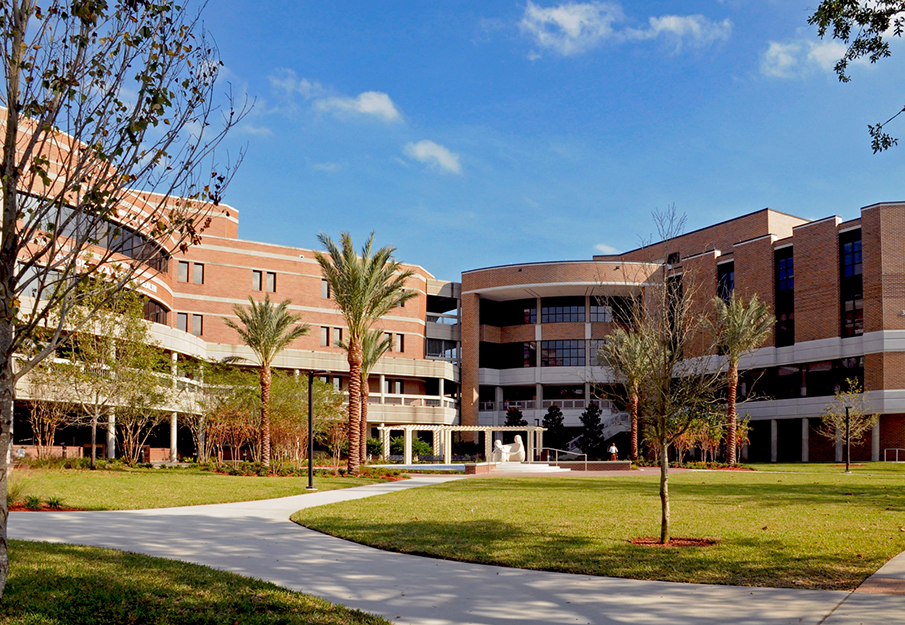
[[524, 468]]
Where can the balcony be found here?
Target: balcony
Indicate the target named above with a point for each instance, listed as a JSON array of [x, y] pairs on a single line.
[[443, 319], [605, 405], [421, 409]]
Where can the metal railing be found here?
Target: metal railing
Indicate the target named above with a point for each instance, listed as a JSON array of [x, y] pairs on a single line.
[[449, 320], [530, 404], [556, 459], [415, 401], [895, 449]]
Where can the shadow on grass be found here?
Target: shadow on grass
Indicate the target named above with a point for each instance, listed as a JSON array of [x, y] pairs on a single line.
[[86, 585]]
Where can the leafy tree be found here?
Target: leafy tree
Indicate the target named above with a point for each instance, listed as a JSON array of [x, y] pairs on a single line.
[[626, 352], [50, 408], [100, 99], [834, 424], [739, 328], [553, 421], [267, 329], [365, 287], [514, 418], [865, 28], [591, 439]]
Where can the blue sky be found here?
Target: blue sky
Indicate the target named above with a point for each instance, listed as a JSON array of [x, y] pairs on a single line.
[[470, 134]]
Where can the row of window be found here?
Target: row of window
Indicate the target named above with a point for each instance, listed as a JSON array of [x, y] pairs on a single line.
[[260, 280], [577, 309], [562, 353], [197, 323], [196, 270], [334, 336]]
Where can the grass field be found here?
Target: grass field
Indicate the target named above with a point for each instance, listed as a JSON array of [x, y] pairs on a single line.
[[129, 489], [802, 528], [61, 584]]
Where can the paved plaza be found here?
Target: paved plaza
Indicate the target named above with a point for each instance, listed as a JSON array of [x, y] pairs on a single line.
[[257, 539]]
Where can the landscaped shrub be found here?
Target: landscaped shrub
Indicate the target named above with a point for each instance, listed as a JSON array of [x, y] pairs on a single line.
[[375, 447], [19, 480], [55, 502], [32, 502], [419, 447]]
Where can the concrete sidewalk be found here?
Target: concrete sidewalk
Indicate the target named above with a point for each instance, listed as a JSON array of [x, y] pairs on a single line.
[[258, 540]]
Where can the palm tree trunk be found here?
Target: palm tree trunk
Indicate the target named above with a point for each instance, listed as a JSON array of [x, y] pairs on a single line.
[[664, 492], [355, 359], [633, 412], [265, 418], [363, 444], [730, 416]]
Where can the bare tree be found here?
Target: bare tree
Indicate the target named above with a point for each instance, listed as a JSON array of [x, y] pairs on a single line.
[[848, 417], [106, 165], [50, 408]]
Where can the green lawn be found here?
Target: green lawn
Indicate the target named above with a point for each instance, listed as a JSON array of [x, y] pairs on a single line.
[[161, 488], [66, 584], [801, 530], [863, 468]]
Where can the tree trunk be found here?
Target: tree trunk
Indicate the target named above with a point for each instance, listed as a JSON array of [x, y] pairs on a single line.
[[7, 396], [664, 492], [355, 359], [633, 412], [363, 444], [730, 414], [265, 418], [94, 441]]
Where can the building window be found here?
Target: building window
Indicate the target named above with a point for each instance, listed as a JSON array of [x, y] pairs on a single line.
[[325, 289], [400, 343], [271, 282], [594, 346], [154, 312], [784, 295], [562, 354], [851, 288], [394, 387], [725, 280], [337, 383], [182, 322], [197, 325], [337, 336], [183, 271], [256, 280], [562, 309], [325, 336], [198, 273], [441, 348], [600, 311]]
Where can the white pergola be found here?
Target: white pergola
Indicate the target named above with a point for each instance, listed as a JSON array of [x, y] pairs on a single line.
[[443, 438]]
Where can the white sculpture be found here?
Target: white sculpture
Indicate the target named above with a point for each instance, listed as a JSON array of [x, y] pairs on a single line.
[[508, 453]]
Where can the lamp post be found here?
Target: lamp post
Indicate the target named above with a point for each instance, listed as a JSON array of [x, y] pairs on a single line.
[[310, 486], [848, 441]]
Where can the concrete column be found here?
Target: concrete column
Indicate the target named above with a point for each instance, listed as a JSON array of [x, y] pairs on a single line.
[[111, 435], [385, 443], [488, 445], [447, 447], [407, 458], [437, 443], [840, 444], [774, 439], [805, 445], [875, 442], [174, 428], [383, 387], [539, 392], [529, 451], [498, 409]]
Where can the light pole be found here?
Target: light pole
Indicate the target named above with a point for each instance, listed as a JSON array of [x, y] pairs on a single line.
[[310, 486], [848, 441]]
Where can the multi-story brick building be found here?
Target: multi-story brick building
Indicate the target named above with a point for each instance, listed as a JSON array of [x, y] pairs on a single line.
[[837, 289]]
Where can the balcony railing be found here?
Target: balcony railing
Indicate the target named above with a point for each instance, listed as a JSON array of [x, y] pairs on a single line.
[[415, 401], [530, 404], [444, 319]]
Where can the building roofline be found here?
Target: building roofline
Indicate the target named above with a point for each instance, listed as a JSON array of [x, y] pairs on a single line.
[[595, 260]]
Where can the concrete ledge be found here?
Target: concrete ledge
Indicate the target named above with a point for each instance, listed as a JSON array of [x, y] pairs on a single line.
[[594, 465]]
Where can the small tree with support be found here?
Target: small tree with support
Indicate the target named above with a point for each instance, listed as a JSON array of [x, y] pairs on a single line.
[[847, 417]]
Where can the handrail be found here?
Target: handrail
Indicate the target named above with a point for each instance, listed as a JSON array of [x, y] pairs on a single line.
[[895, 449], [565, 451]]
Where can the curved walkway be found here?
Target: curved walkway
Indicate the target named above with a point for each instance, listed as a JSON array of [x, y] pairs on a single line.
[[257, 539]]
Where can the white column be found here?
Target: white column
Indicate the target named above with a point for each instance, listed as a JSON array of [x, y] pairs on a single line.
[[447, 447], [385, 443], [111, 434], [174, 423], [437, 443], [488, 445], [383, 387], [774, 439], [875, 442], [498, 409], [805, 446], [839, 445], [529, 452], [407, 458]]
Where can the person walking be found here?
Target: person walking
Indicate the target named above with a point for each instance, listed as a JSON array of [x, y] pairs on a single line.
[[614, 453]]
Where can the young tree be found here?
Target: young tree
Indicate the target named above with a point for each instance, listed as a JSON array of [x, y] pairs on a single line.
[[514, 418], [267, 329], [50, 408], [106, 159], [739, 327], [848, 418], [553, 421], [374, 345], [591, 439], [626, 353], [865, 28], [365, 287]]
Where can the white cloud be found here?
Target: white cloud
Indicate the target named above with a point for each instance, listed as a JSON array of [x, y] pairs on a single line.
[[603, 248], [433, 154], [252, 129], [368, 103], [797, 58], [574, 28], [288, 81], [330, 168]]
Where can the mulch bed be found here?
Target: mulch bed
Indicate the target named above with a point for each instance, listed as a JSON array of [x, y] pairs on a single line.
[[647, 541], [44, 508]]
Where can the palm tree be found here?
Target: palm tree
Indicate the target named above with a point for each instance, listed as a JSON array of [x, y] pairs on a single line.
[[365, 287], [374, 345], [267, 329], [739, 328], [627, 353]]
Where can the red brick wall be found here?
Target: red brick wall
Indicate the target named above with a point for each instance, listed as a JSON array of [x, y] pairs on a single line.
[[817, 281], [754, 273]]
